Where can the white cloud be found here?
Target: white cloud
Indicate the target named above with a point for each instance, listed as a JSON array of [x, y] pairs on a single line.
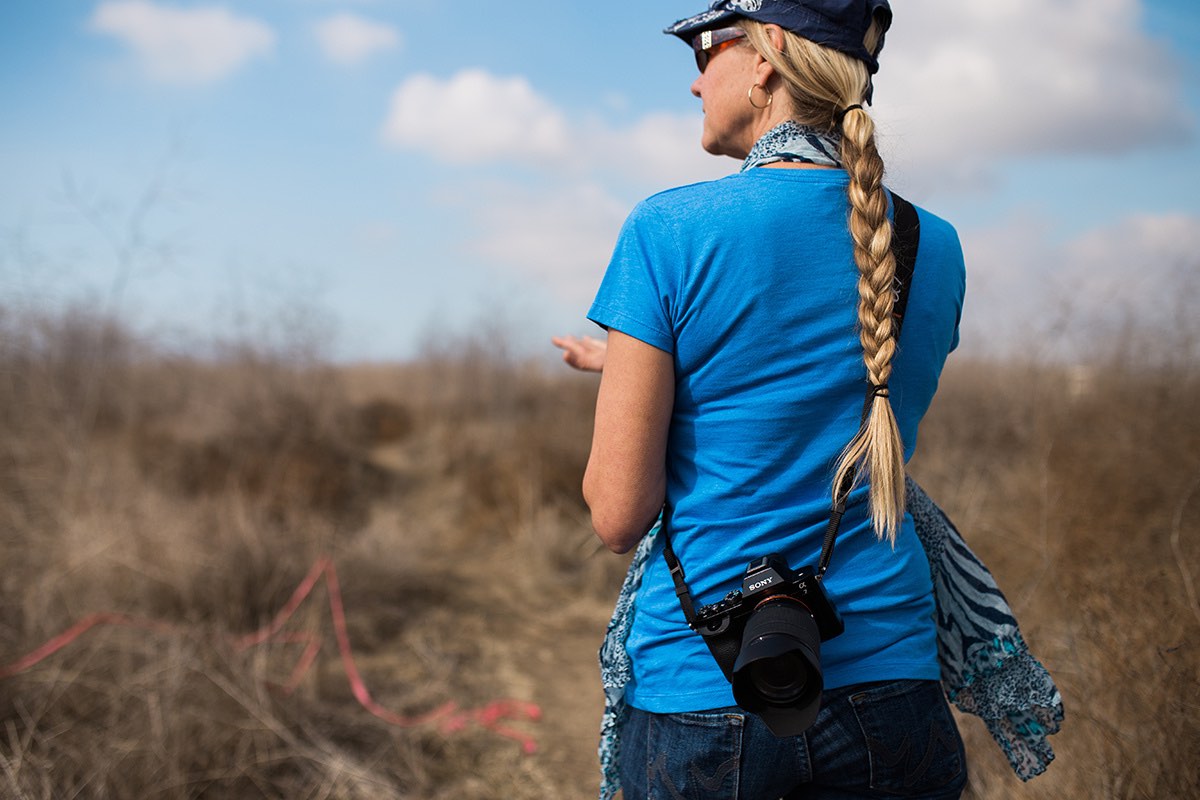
[[658, 150], [475, 117], [349, 39], [1024, 290], [965, 85], [560, 239], [177, 45], [1140, 267], [560, 236]]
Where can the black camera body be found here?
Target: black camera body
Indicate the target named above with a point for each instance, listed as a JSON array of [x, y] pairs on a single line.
[[768, 577], [767, 638]]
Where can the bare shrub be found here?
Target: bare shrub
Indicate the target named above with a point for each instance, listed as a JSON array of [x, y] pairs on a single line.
[[1070, 481], [199, 492], [202, 501]]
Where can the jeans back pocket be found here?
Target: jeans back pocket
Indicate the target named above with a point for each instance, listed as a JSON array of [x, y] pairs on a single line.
[[694, 755], [912, 740]]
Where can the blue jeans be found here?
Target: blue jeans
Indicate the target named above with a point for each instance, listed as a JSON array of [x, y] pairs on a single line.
[[871, 740]]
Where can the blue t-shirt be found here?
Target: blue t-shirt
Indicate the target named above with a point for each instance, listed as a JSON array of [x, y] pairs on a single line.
[[750, 283]]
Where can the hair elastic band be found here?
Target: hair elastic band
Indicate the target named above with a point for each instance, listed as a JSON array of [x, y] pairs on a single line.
[[879, 390], [841, 115]]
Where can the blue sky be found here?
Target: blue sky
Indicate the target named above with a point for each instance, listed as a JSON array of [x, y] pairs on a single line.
[[380, 173]]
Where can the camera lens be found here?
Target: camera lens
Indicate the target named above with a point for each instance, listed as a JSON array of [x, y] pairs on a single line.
[[779, 680], [777, 674]]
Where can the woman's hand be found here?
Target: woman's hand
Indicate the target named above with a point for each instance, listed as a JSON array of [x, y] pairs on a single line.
[[586, 354]]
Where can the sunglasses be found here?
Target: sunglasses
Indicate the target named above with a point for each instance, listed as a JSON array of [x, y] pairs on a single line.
[[707, 44]]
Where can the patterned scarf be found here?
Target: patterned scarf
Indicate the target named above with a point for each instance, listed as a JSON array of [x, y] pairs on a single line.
[[791, 142]]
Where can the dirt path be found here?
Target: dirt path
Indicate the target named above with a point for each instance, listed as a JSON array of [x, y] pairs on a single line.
[[562, 663], [542, 646], [512, 611]]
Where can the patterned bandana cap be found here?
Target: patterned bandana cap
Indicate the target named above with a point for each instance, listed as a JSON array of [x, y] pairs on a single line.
[[840, 24]]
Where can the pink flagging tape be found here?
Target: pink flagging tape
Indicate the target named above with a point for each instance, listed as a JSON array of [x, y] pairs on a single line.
[[449, 717], [81, 627]]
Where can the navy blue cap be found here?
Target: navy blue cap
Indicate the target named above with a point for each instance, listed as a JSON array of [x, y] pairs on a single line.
[[840, 24]]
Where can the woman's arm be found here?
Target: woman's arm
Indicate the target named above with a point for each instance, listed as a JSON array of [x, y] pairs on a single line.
[[626, 478]]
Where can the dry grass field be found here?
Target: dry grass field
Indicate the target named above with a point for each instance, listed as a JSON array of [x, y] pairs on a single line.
[[198, 495]]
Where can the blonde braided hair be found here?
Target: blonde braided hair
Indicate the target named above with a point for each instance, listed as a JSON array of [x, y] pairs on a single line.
[[821, 83]]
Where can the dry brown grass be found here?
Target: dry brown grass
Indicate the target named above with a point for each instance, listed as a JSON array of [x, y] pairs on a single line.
[[200, 492], [1078, 487]]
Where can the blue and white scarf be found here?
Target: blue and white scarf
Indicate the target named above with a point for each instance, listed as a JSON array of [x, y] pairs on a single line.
[[791, 142], [987, 669]]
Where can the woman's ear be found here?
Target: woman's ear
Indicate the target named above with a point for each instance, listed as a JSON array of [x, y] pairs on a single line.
[[775, 35], [764, 70]]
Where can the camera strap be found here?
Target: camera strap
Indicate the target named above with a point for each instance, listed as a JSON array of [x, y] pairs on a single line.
[[906, 239]]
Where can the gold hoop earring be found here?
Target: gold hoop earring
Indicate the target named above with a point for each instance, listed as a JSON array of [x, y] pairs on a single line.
[[750, 96]]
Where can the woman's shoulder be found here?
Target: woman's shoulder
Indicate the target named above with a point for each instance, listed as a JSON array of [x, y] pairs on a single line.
[[703, 201], [941, 268], [755, 181], [939, 240], [689, 192], [936, 229], [678, 205]]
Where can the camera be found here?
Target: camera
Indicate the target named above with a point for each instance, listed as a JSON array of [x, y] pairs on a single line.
[[767, 639]]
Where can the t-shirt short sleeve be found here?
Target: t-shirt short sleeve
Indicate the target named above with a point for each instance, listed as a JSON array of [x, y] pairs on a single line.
[[634, 297]]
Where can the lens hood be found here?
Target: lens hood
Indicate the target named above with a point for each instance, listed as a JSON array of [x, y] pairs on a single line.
[[777, 674]]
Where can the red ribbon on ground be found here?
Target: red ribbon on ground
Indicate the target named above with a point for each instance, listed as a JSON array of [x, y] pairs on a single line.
[[449, 716]]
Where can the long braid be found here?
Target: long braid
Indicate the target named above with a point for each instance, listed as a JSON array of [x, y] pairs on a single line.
[[820, 82], [877, 448]]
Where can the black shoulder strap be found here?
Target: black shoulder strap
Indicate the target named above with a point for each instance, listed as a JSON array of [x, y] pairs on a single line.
[[906, 240]]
